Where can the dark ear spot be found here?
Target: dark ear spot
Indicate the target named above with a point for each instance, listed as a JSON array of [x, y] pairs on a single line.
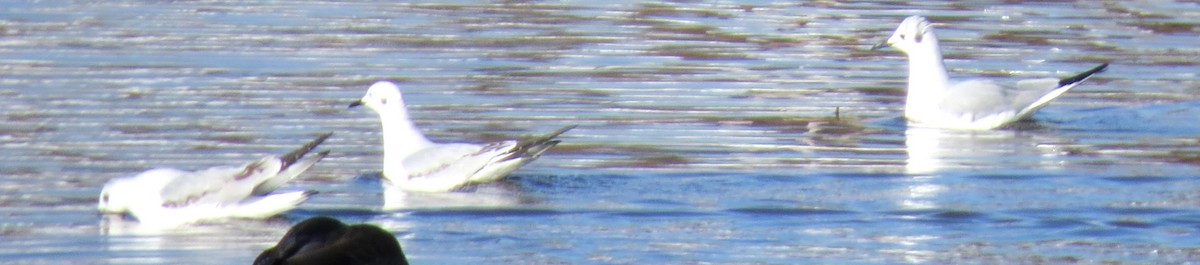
[[383, 101], [918, 38]]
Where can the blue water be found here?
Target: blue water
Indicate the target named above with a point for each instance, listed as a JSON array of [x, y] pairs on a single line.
[[707, 134]]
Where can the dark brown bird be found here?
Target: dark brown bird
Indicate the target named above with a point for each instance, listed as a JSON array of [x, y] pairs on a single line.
[[324, 240]]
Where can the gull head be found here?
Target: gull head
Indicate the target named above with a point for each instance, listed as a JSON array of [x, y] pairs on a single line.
[[114, 198], [912, 34], [382, 95]]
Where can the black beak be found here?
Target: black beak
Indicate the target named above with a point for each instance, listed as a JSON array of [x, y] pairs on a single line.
[[355, 104]]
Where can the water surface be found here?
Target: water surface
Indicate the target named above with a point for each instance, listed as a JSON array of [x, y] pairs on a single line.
[[752, 133]]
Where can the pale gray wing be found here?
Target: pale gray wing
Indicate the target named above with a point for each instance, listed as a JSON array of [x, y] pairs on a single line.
[[454, 160], [465, 160], [977, 98], [1036, 93], [219, 185], [982, 97], [1033, 94]]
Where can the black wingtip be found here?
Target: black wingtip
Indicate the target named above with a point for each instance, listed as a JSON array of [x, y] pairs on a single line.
[[538, 144], [310, 193], [291, 157], [1082, 76], [560, 131], [548, 137]]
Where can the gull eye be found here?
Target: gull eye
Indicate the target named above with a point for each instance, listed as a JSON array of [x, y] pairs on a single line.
[[902, 36], [104, 198], [383, 101]]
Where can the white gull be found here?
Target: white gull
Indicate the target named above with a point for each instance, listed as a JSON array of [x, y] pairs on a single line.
[[413, 163], [935, 100], [166, 197]]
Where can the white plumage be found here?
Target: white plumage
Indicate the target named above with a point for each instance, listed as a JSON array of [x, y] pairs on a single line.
[[935, 100], [413, 163], [171, 197]]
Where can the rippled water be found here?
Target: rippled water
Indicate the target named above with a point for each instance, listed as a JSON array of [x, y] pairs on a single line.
[[755, 132]]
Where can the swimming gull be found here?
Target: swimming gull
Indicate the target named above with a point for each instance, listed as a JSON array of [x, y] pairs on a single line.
[[935, 100], [170, 197], [413, 163]]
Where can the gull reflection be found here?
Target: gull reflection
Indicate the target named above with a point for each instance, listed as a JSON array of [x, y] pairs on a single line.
[[131, 242], [937, 156], [129, 236], [485, 195], [922, 194], [119, 225], [932, 150]]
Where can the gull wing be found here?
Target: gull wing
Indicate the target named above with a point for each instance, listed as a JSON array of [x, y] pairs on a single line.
[[219, 185], [1033, 94], [982, 98], [447, 166], [230, 185], [976, 98], [1051, 89], [294, 162], [454, 160]]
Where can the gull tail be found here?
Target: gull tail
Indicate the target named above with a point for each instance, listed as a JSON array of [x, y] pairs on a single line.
[[292, 164], [300, 166], [290, 158], [1064, 85], [1082, 76], [532, 148]]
